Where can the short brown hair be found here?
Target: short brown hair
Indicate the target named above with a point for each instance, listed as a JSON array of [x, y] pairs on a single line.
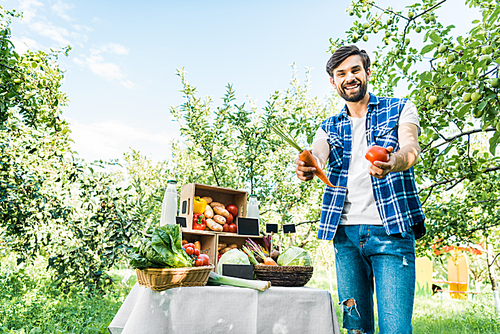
[[342, 54]]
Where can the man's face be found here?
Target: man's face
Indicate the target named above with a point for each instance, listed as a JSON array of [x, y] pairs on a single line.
[[350, 79]]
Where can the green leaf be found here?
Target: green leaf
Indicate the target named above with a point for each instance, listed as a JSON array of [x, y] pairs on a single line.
[[483, 104], [435, 38], [427, 48], [494, 17], [494, 142], [463, 111]]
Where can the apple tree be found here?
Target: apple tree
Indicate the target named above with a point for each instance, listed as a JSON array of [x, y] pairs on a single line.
[[53, 206]]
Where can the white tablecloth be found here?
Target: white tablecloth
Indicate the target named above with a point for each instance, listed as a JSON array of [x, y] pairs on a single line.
[[226, 309]]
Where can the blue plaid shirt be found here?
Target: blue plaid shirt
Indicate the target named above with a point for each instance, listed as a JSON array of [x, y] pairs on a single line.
[[396, 195]]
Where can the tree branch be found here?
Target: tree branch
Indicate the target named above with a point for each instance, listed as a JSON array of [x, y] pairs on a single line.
[[448, 140], [460, 179]]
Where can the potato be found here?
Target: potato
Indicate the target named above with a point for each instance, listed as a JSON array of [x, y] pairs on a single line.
[[220, 210], [227, 249], [221, 245], [209, 213], [214, 204], [219, 219], [208, 199], [214, 226], [232, 246]]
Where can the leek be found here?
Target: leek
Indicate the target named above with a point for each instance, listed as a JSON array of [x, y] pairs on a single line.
[[216, 279]]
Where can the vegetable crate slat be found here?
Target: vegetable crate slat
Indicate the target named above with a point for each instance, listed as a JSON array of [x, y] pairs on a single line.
[[207, 239], [218, 194], [232, 239], [210, 242]]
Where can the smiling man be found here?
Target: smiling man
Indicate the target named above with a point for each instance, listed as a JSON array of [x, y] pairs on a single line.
[[375, 216]]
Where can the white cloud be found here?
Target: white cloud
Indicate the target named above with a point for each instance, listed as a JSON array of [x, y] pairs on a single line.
[[116, 48], [110, 139], [107, 70], [60, 8], [47, 29], [80, 27], [29, 9]]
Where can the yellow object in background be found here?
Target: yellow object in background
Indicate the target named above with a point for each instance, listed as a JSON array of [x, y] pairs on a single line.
[[458, 276], [423, 268]]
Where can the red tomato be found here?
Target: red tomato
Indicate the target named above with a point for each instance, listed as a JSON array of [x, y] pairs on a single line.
[[196, 252], [377, 153], [205, 258], [225, 228], [229, 219], [198, 262], [189, 245], [190, 250], [233, 209], [233, 228]]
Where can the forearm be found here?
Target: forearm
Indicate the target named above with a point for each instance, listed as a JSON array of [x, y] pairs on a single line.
[[320, 152], [406, 157]]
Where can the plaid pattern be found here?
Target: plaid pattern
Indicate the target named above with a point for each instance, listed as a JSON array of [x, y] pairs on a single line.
[[396, 195]]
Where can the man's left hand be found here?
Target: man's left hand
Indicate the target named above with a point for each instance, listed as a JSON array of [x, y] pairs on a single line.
[[380, 169]]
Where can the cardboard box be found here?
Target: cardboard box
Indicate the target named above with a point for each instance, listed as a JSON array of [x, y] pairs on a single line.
[[223, 195], [208, 242]]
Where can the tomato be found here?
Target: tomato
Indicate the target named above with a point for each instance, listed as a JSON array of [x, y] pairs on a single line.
[[225, 228], [190, 250], [189, 245], [377, 153], [198, 262], [233, 209], [229, 219], [233, 228], [205, 258], [196, 252]]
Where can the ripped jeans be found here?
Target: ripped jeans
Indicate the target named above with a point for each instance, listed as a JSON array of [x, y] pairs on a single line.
[[366, 257]]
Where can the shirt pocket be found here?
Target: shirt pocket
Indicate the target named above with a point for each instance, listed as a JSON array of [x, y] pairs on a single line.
[[336, 150], [387, 136]]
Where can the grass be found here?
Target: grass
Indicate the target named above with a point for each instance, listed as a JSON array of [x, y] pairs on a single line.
[[433, 314], [29, 303]]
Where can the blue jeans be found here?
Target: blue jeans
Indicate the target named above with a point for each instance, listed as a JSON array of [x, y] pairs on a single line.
[[366, 256]]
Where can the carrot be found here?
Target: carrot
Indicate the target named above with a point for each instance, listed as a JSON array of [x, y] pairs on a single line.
[[270, 262], [307, 157]]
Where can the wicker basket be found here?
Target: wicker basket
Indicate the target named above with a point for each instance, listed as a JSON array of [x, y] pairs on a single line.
[[166, 278], [284, 275]]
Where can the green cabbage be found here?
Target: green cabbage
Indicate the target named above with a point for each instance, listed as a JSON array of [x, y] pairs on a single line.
[[294, 256], [234, 256]]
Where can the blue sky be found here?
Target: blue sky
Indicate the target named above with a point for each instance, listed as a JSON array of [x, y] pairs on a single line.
[[120, 75]]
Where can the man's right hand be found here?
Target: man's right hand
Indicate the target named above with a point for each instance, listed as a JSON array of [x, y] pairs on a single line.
[[304, 173]]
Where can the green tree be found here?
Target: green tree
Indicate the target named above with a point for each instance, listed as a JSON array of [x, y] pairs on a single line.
[[53, 206], [233, 146]]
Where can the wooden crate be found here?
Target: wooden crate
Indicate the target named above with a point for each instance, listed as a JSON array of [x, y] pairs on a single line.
[[223, 195], [207, 239]]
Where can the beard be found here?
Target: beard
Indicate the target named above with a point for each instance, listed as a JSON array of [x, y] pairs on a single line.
[[354, 97]]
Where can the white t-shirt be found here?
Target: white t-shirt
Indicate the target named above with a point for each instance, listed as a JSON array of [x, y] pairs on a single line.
[[360, 206]]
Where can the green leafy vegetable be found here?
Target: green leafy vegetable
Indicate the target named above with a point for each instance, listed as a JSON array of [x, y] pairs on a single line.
[[234, 256], [160, 248], [294, 256]]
